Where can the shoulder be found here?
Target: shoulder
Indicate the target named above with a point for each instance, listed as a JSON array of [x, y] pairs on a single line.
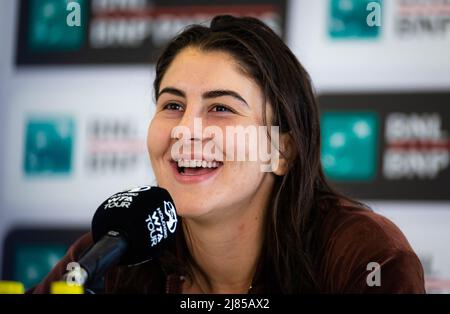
[[353, 240], [363, 228]]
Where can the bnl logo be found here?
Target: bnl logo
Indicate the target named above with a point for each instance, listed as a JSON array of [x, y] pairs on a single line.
[[349, 147], [354, 19], [49, 145], [57, 25]]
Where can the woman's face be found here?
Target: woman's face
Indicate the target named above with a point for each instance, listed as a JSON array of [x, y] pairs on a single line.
[[207, 87]]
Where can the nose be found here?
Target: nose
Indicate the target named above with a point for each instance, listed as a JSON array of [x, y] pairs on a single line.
[[189, 133], [190, 127]]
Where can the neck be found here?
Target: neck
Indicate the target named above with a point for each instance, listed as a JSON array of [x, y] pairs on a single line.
[[226, 252]]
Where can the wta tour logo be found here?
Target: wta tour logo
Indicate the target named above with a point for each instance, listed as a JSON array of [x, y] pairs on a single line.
[[158, 226]]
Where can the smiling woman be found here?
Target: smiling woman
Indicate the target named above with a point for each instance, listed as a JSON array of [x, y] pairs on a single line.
[[243, 229]]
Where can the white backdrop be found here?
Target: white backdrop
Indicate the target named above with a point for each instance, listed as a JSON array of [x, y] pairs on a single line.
[[384, 64]]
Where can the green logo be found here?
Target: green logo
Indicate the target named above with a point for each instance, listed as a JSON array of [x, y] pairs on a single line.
[[50, 27], [349, 145], [48, 146], [32, 264], [354, 19]]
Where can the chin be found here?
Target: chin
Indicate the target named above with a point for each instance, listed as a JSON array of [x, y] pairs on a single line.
[[192, 212]]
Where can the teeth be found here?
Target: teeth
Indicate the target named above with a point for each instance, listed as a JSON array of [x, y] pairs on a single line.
[[197, 163]]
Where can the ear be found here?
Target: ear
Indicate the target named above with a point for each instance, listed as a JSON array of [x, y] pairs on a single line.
[[286, 154]]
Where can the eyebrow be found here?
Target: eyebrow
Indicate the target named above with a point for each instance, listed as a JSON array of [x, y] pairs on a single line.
[[206, 95]]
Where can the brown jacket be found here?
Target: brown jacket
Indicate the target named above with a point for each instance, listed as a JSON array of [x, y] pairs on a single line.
[[351, 238]]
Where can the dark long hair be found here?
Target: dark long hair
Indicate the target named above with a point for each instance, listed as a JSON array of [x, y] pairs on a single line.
[[302, 195]]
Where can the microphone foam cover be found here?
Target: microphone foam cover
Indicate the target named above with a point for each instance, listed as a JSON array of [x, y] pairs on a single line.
[[145, 216]]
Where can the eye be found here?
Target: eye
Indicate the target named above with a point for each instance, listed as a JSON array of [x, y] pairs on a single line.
[[221, 108], [173, 106]]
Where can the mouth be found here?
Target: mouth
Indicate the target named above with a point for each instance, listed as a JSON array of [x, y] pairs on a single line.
[[194, 170]]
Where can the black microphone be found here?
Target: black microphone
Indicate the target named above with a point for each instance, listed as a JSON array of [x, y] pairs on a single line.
[[129, 228]]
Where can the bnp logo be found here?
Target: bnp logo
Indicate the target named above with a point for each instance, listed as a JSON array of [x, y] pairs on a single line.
[[349, 145], [360, 19], [48, 145], [33, 262], [57, 25]]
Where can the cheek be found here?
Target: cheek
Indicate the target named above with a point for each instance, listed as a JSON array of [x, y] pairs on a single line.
[[240, 184], [245, 173], [158, 138]]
